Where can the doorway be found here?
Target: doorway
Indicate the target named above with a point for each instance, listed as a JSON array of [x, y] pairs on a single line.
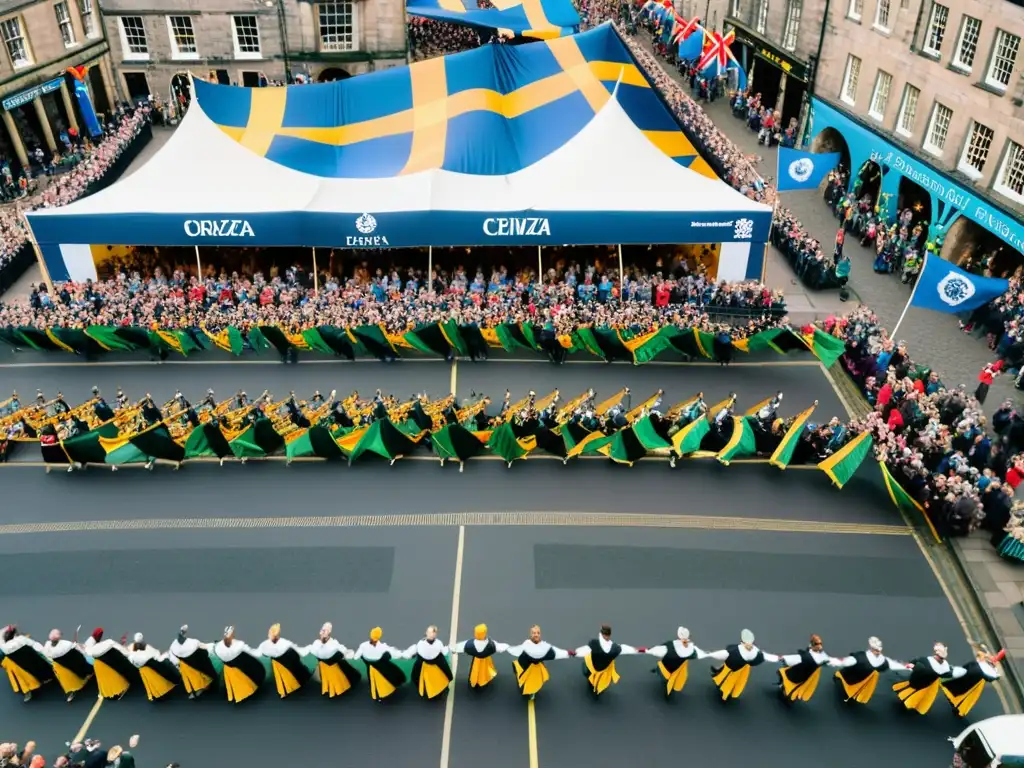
[[137, 86]]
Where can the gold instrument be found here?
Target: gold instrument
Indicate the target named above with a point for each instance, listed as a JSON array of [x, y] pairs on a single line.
[[435, 410], [567, 410], [635, 414], [545, 402], [602, 408], [676, 411], [472, 411]]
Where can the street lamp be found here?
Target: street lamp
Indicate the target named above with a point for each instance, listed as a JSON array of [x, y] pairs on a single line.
[[282, 30]]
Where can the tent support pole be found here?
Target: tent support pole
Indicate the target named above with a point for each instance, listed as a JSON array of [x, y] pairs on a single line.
[[316, 275], [430, 267], [199, 264], [39, 255], [622, 272], [540, 267]]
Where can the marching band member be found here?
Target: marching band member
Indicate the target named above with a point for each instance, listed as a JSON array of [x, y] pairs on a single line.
[[968, 682], [25, 662], [70, 666], [244, 669], [926, 673], [731, 678], [799, 678], [159, 676], [383, 673], [337, 676], [198, 667], [674, 660], [858, 673], [599, 657], [430, 673], [114, 672], [291, 670], [531, 674], [481, 649]]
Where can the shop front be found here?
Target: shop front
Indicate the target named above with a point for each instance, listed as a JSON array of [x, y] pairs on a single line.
[[970, 228], [777, 75]]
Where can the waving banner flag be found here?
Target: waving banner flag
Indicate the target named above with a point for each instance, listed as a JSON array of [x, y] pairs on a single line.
[[718, 58], [944, 287], [804, 170], [542, 19]]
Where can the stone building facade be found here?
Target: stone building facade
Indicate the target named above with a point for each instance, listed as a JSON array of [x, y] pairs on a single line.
[[39, 98], [155, 44]]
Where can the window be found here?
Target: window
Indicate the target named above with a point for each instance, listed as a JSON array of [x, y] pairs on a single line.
[[967, 45], [936, 29], [908, 110], [762, 16], [972, 162], [1004, 55], [17, 47], [792, 30], [882, 15], [938, 129], [1011, 175], [134, 45], [854, 11], [183, 37], [880, 96], [850, 79], [67, 29], [85, 9], [737, 8], [247, 37], [337, 30]]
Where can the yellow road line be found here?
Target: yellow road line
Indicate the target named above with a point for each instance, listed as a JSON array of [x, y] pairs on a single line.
[[88, 721], [155, 363], [457, 519], [531, 721]]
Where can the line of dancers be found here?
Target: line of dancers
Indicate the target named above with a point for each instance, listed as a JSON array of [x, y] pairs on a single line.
[[240, 670]]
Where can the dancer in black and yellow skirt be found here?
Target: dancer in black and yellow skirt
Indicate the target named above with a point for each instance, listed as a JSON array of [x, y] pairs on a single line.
[[798, 680], [481, 649], [70, 665], [858, 673], [926, 673], [382, 672], [337, 676], [292, 667], [114, 672], [599, 657], [25, 662], [531, 674], [158, 673], [244, 669], [430, 673], [674, 660], [731, 678], [199, 668], [968, 681]]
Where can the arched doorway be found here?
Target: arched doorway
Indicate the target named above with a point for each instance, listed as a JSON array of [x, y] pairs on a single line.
[[831, 140], [332, 74], [915, 198], [977, 250], [181, 93], [867, 182]]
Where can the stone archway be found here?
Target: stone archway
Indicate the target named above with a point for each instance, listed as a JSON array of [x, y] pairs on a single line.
[[180, 92], [332, 74], [868, 181], [977, 250], [912, 195], [831, 140]]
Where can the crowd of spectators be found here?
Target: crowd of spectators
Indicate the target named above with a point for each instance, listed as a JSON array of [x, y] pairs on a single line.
[[89, 753], [962, 468], [569, 297], [87, 162]]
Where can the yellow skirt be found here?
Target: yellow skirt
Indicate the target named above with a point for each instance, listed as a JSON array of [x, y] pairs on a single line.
[[433, 682], [531, 679], [194, 680], [918, 700], [69, 681], [332, 680], [674, 681], [860, 692], [800, 691], [481, 672], [21, 681], [111, 683], [965, 702], [600, 681], [238, 685], [284, 679], [732, 682], [380, 688], [156, 685]]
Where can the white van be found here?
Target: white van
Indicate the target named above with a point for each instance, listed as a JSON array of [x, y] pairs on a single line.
[[994, 743]]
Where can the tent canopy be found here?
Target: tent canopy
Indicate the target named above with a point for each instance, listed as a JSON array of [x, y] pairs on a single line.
[[239, 169], [542, 19]]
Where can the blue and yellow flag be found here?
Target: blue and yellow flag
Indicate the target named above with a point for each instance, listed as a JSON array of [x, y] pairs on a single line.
[[490, 111], [541, 19]]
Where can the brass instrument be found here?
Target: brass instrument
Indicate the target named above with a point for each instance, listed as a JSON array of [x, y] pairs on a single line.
[[472, 411], [638, 412], [566, 411], [400, 411], [676, 411], [602, 408], [545, 402], [235, 418]]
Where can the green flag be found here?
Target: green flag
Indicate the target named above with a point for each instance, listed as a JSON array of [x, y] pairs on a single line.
[[843, 464], [784, 453], [742, 443], [826, 348]]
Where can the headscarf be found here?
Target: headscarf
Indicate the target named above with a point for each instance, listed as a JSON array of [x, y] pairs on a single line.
[[183, 633], [275, 632], [480, 632], [376, 634], [54, 636], [747, 637], [138, 637], [874, 644], [683, 633], [97, 634], [229, 631], [325, 631]]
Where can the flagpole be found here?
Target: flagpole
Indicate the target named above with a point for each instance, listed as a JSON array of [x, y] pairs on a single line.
[[910, 301]]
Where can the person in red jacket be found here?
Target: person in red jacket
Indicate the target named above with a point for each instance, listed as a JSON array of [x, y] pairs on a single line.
[[985, 378]]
